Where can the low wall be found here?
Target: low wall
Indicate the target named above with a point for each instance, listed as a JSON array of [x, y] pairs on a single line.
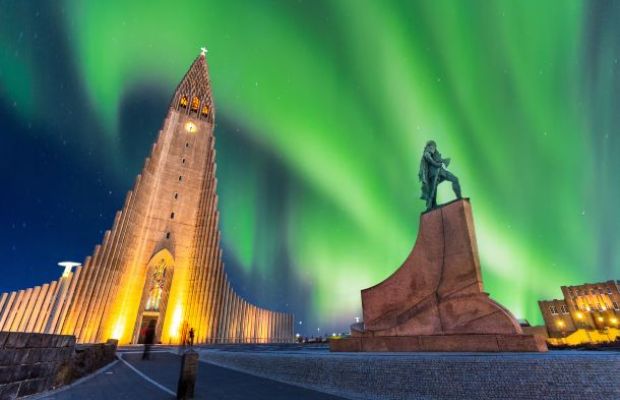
[[553, 375], [35, 362]]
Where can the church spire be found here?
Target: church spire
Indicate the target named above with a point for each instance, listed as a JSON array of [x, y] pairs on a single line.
[[193, 94]]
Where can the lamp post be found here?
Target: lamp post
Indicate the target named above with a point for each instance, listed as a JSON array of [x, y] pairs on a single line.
[[67, 266]]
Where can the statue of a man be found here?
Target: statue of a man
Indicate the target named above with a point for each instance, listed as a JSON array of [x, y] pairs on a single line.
[[433, 172]]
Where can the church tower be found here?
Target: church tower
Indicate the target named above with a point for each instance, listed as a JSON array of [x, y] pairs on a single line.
[[160, 265]]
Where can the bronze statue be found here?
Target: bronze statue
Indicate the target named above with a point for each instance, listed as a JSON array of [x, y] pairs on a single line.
[[433, 172]]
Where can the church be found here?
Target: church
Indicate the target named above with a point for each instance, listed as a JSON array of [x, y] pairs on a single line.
[[161, 262]]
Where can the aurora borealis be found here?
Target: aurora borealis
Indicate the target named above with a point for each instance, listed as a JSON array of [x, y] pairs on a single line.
[[323, 109]]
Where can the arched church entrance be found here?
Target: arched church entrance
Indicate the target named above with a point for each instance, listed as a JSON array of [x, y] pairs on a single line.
[[154, 297]]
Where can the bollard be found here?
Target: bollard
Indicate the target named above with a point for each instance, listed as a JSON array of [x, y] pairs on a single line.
[[187, 380]]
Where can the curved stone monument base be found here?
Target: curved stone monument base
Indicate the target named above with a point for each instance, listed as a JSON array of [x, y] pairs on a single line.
[[472, 342], [435, 300]]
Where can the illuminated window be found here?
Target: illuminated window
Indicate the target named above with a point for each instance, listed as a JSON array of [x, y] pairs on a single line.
[[553, 310], [157, 287], [205, 111], [195, 104], [183, 102]]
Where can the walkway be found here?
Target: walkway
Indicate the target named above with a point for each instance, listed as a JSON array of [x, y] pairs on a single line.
[[213, 383]]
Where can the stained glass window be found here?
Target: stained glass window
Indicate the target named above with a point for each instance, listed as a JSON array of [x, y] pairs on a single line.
[[157, 286]]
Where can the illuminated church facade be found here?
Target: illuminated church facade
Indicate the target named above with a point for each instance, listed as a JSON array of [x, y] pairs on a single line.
[[161, 262]]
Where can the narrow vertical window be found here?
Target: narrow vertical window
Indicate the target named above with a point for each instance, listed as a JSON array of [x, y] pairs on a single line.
[[183, 102], [195, 104], [171, 215]]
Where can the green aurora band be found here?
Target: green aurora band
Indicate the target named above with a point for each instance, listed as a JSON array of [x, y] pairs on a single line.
[[340, 97]]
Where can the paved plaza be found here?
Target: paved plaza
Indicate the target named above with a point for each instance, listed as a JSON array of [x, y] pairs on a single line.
[[157, 379], [250, 372]]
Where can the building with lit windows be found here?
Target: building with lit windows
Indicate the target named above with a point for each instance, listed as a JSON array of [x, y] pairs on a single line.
[[160, 264], [589, 313]]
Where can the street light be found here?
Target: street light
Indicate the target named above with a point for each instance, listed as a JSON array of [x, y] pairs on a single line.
[[67, 266]]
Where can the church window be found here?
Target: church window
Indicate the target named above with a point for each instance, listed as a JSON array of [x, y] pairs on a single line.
[[183, 102], [195, 104], [157, 287], [205, 111]]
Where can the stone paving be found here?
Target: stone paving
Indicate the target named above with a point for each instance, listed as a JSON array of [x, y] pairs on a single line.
[[556, 375], [213, 383]]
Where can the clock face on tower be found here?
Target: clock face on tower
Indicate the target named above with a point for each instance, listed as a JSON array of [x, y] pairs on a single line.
[[191, 127]]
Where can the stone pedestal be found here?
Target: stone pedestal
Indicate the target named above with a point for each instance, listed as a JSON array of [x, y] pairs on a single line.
[[435, 300], [187, 379]]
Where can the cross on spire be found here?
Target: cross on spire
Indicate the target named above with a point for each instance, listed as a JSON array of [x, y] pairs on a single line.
[[203, 51]]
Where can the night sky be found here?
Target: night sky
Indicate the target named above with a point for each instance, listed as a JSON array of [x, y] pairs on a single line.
[[323, 109]]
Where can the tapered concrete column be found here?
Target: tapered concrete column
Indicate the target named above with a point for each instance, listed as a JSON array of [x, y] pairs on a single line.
[[63, 285]]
